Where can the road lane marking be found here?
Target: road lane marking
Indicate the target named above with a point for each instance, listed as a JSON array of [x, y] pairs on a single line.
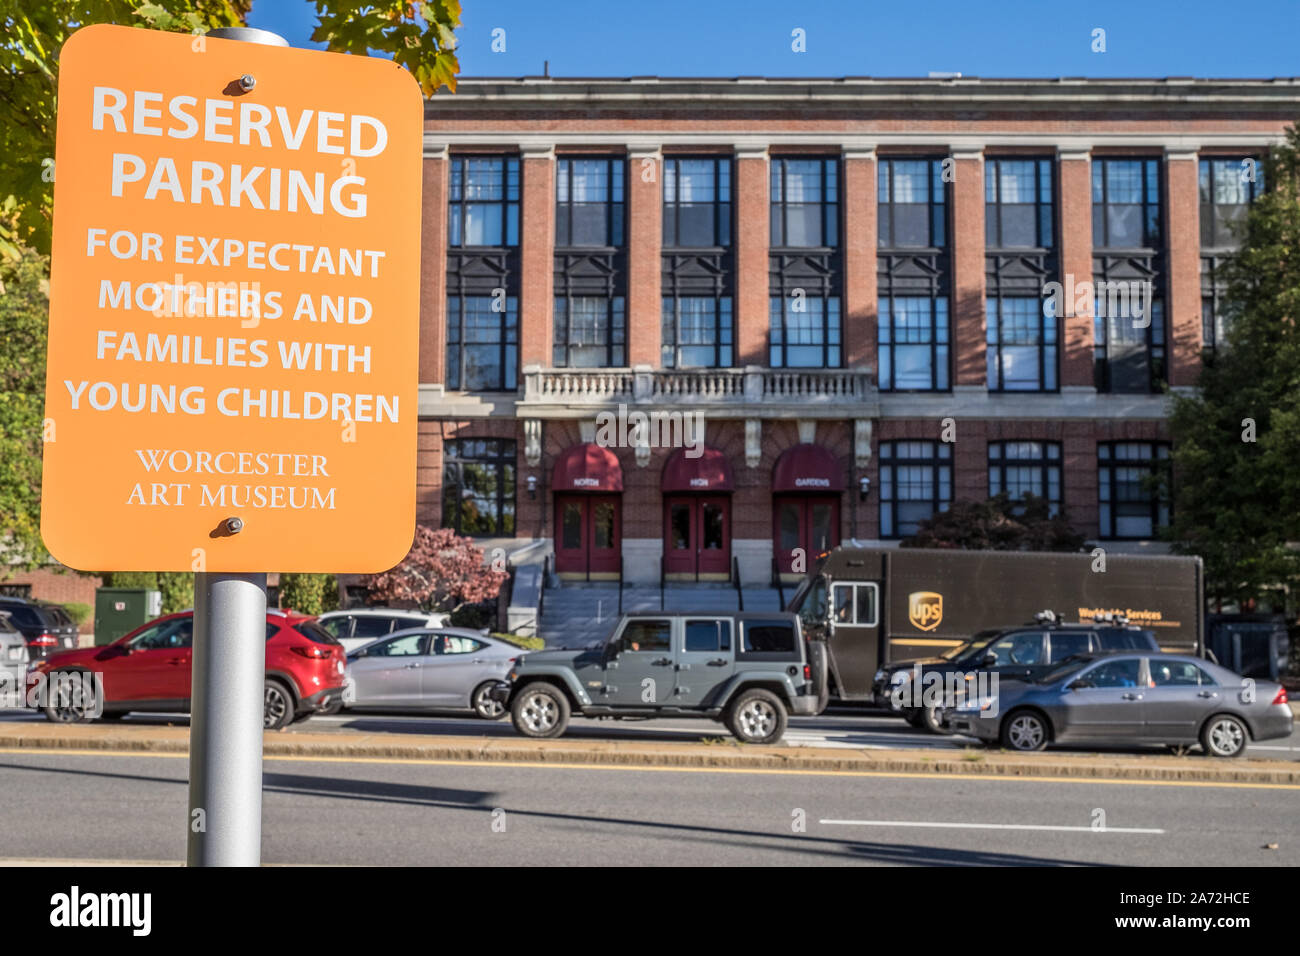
[[986, 826], [646, 768]]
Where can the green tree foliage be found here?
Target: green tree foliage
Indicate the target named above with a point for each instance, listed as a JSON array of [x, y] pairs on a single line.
[[309, 593], [998, 524], [418, 36], [24, 307], [1236, 454]]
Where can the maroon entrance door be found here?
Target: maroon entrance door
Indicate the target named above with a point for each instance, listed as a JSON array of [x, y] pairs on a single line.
[[588, 534], [697, 535], [807, 522]]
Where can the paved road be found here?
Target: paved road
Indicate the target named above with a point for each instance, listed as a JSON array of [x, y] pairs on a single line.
[[842, 727], [382, 812]]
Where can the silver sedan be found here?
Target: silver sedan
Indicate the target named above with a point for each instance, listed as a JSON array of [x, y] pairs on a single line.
[[1129, 698], [449, 668]]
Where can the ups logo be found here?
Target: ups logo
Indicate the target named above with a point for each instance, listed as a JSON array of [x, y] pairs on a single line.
[[925, 609]]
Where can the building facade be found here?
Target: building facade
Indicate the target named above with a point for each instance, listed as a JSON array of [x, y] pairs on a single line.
[[875, 297]]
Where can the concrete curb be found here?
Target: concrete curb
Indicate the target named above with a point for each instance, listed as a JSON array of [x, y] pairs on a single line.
[[725, 756]]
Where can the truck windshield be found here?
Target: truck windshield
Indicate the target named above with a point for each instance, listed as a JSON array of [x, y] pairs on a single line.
[[809, 602], [976, 643]]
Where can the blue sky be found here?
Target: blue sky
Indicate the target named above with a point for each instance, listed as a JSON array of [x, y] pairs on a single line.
[[990, 38]]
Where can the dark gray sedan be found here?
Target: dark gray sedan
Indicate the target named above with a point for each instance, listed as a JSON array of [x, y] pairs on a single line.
[[448, 668], [1123, 699]]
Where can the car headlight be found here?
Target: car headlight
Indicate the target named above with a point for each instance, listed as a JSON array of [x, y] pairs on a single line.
[[976, 705], [880, 675]]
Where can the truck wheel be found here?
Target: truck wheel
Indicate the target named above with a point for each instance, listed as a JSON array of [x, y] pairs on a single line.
[[540, 710], [1025, 731], [277, 706], [1224, 736], [757, 717]]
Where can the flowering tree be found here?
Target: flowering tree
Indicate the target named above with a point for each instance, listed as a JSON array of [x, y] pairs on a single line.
[[443, 571]]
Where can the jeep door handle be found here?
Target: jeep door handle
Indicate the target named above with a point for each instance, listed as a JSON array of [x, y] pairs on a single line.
[[718, 662], [683, 667], [661, 662], [1132, 696]]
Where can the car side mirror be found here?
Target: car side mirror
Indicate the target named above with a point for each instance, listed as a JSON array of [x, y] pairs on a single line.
[[1079, 684], [989, 660]]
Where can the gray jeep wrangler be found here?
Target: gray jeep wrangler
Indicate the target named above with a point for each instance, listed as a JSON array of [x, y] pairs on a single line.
[[750, 670]]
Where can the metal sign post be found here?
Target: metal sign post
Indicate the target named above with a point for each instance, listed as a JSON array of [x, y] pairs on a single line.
[[227, 690]]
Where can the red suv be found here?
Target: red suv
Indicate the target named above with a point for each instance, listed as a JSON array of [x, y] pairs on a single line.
[[149, 669]]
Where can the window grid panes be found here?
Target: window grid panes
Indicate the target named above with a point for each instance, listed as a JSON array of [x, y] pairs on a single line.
[[697, 203], [1227, 188], [1022, 337], [482, 342], [804, 203], [915, 483], [804, 332], [1128, 347], [590, 332], [1125, 203], [913, 343], [483, 202], [911, 197], [589, 202], [478, 486], [1018, 203], [1131, 504], [697, 332], [1026, 467]]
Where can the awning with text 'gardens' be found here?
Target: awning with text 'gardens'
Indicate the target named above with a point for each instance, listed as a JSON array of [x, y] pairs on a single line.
[[709, 470], [807, 468], [587, 468]]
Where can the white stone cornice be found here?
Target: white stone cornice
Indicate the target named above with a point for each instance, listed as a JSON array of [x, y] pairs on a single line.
[[537, 150], [859, 152], [1178, 152], [644, 151], [968, 152], [1073, 152], [436, 150], [750, 150]]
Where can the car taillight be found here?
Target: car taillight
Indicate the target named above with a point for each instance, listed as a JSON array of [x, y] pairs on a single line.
[[807, 672], [314, 652], [1281, 696], [45, 640]]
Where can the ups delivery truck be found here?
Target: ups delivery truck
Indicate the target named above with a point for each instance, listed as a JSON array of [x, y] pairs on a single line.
[[874, 606]]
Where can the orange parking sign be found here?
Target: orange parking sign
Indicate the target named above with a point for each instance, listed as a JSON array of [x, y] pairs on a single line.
[[233, 307]]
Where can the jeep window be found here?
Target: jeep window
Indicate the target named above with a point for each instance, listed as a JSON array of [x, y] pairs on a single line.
[[768, 637], [1068, 643], [1025, 647], [708, 635], [646, 635]]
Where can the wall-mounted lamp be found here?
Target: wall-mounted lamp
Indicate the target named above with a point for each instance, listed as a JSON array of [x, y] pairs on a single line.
[[864, 488], [532, 487]]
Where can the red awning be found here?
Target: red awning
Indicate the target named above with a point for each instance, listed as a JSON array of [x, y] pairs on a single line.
[[587, 468], [710, 471], [807, 468]]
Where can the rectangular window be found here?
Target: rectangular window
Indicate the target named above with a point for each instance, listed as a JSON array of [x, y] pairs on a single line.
[[1130, 479], [915, 483], [1227, 188], [1128, 347], [1021, 345], [590, 332], [805, 203], [589, 203], [911, 207], [1026, 467], [697, 203], [913, 343], [804, 332], [1018, 203], [767, 637], [1125, 203], [478, 486], [697, 332], [645, 636], [483, 202], [708, 635], [482, 342]]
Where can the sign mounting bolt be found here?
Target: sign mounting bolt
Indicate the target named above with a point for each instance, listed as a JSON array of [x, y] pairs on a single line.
[[234, 525], [247, 82]]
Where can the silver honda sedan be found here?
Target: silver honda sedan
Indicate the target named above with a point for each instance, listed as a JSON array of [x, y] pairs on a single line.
[[1126, 698], [447, 668]]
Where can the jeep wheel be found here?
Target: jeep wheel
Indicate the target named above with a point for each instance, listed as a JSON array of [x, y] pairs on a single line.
[[757, 717], [540, 710]]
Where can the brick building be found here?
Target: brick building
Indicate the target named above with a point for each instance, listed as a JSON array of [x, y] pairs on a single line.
[[846, 277]]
